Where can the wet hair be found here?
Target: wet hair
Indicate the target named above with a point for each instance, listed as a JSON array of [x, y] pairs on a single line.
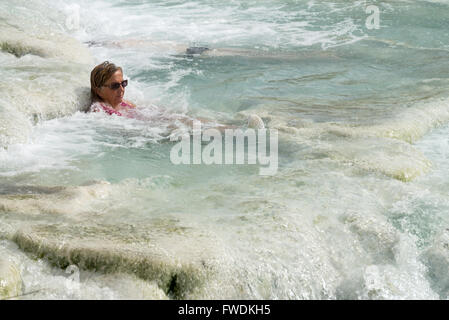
[[99, 76]]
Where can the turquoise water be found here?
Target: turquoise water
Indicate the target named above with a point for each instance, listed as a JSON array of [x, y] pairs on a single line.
[[357, 209]]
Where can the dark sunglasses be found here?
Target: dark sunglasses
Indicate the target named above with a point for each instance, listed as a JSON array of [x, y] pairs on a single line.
[[116, 85]]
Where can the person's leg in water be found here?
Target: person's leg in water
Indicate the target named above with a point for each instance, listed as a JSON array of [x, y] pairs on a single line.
[[179, 49]]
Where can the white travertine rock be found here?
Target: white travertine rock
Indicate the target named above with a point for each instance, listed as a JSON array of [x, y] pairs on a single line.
[[10, 280]]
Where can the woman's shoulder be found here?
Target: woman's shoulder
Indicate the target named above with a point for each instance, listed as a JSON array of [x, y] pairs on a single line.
[[127, 103]]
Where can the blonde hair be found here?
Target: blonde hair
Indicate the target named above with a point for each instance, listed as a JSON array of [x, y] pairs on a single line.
[[99, 76]]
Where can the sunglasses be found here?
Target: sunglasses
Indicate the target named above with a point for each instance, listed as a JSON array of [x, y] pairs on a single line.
[[116, 85]]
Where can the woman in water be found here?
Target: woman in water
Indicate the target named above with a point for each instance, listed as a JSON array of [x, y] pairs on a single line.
[[108, 88]]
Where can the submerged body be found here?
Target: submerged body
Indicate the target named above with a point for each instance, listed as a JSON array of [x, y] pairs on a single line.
[[108, 89]]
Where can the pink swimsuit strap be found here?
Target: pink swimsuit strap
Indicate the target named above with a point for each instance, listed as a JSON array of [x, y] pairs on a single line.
[[124, 104], [109, 110]]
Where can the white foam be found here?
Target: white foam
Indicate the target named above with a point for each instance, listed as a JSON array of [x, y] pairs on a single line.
[[10, 280], [264, 25], [45, 71]]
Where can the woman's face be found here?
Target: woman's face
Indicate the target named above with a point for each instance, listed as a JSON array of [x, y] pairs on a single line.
[[113, 97]]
